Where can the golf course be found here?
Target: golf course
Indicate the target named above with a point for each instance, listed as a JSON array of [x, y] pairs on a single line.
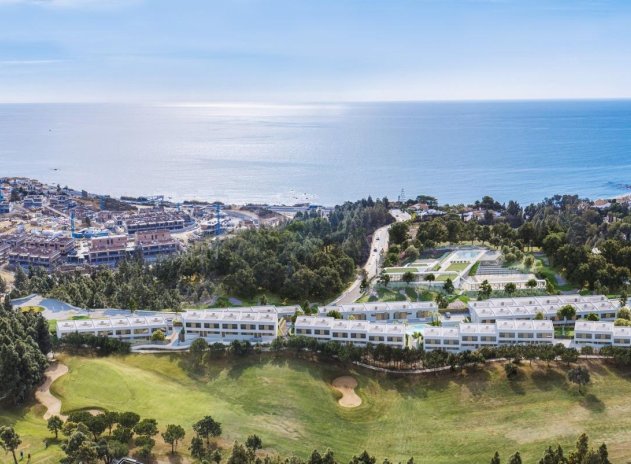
[[291, 404]]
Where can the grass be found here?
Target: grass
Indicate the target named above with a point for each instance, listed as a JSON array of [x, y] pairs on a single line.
[[457, 267], [289, 403]]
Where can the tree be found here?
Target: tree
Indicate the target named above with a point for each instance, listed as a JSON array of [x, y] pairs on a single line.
[[569, 355], [529, 261], [254, 442], [624, 313], [566, 312], [384, 279], [592, 317], [158, 336], [55, 424], [449, 286], [172, 435], [532, 283], [430, 278], [441, 301], [623, 299], [496, 458], [206, 428], [539, 316], [197, 448], [408, 278], [510, 288], [398, 232], [128, 419], [146, 427], [334, 313], [485, 289], [580, 376], [515, 458], [9, 440], [3, 285], [511, 370]]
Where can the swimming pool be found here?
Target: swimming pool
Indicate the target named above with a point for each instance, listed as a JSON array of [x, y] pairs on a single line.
[[416, 327], [462, 255]]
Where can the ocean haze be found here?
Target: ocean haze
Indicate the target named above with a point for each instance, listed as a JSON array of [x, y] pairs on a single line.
[[326, 154]]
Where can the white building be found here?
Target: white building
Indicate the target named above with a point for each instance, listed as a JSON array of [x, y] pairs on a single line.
[[599, 334], [225, 326], [470, 337], [124, 328], [357, 332], [495, 309], [393, 311]]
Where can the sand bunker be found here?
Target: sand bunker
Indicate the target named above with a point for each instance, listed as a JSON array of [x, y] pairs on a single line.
[[346, 385], [43, 395]]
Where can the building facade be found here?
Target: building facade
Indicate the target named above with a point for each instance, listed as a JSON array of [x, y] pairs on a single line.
[[472, 336], [225, 326], [524, 308], [356, 332]]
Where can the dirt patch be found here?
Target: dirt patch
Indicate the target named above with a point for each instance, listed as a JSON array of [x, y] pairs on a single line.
[[346, 385], [43, 395]]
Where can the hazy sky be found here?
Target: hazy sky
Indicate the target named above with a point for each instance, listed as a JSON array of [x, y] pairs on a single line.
[[316, 50]]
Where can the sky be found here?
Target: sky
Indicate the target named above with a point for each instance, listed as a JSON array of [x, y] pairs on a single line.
[[313, 51]]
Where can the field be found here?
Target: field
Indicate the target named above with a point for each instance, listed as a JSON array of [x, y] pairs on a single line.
[[290, 404]]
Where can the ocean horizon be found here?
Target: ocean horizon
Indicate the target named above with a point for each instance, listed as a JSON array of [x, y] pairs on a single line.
[[325, 153]]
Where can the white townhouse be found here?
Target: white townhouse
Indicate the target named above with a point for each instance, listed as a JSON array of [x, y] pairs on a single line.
[[378, 311], [472, 336], [524, 308], [225, 326], [599, 334], [475, 336], [531, 332], [441, 338], [357, 332], [129, 329]]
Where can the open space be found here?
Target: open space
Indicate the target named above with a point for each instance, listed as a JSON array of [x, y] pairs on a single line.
[[292, 405]]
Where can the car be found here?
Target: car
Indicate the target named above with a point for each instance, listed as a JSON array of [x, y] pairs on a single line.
[[375, 250]]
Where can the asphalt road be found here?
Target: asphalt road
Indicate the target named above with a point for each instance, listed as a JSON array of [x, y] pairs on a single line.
[[378, 248]]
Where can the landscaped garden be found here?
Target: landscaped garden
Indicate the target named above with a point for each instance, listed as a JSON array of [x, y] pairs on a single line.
[[289, 403]]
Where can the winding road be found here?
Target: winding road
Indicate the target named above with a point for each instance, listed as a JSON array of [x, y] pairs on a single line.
[[378, 246]]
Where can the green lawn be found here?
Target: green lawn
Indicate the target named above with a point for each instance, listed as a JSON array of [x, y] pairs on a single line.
[[457, 267], [448, 419]]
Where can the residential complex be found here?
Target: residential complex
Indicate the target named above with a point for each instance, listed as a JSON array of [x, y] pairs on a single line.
[[496, 309], [599, 334], [225, 326], [125, 328], [392, 311], [472, 336], [357, 332]]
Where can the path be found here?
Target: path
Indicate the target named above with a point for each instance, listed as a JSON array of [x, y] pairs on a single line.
[[43, 394]]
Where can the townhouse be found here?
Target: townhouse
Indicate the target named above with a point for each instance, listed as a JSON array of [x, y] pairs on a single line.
[[383, 312], [225, 326], [356, 332], [495, 309], [473, 336], [599, 334], [130, 329]]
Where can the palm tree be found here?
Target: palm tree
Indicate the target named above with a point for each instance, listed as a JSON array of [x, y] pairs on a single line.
[[430, 278]]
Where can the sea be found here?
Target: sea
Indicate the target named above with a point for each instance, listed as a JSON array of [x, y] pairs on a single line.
[[324, 153]]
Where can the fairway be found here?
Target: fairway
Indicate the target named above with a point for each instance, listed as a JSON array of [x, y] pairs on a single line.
[[292, 406]]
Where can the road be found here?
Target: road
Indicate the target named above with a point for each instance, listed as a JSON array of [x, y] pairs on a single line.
[[378, 248]]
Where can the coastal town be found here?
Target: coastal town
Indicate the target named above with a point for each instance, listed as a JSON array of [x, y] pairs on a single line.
[[434, 289]]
